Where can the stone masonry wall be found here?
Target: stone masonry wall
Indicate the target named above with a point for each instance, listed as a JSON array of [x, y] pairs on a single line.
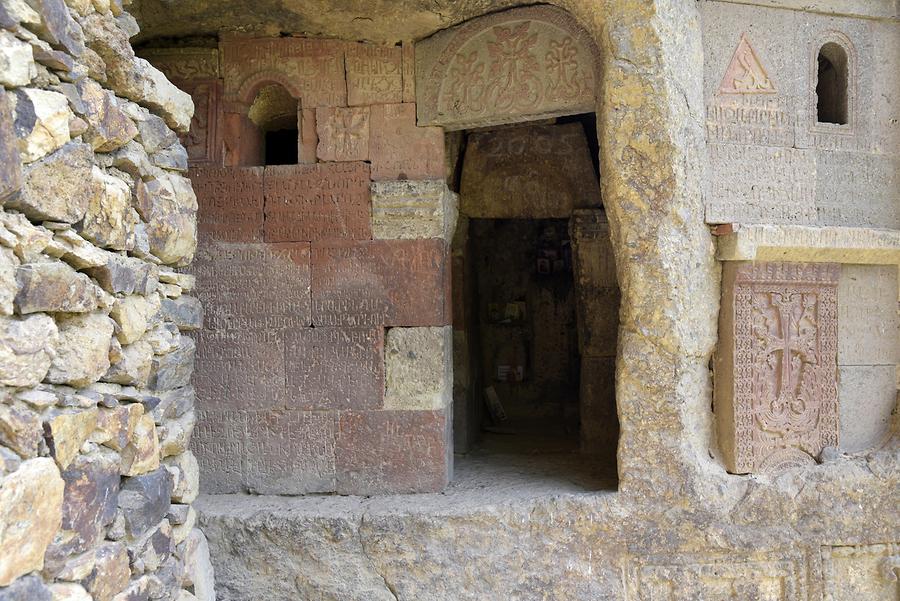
[[324, 362], [96, 405]]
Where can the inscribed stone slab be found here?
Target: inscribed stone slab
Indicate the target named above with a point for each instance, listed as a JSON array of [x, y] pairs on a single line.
[[343, 133], [775, 413], [317, 202], [230, 202], [382, 452], [534, 172], [379, 282], [868, 325], [290, 452], [776, 576], [218, 443], [374, 74], [515, 65], [239, 369], [231, 278], [857, 189], [184, 63], [401, 150], [310, 69], [334, 368], [203, 141]]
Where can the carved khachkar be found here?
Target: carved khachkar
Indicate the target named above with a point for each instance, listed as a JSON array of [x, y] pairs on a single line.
[[522, 63], [776, 369]]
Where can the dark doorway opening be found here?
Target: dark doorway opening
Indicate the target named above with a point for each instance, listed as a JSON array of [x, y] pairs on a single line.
[[831, 86], [281, 147]]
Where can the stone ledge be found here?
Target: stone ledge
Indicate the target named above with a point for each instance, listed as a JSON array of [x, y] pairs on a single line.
[[829, 244]]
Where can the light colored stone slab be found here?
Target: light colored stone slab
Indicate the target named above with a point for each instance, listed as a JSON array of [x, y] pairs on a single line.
[[515, 65], [856, 572], [749, 242], [413, 209], [875, 9], [867, 395], [868, 325], [418, 368]]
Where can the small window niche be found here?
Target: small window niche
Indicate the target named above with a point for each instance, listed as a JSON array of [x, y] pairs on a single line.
[[833, 85], [274, 112]]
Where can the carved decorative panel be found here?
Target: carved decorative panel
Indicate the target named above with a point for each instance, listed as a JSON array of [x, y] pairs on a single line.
[[776, 376], [203, 141], [776, 577], [184, 63], [510, 66]]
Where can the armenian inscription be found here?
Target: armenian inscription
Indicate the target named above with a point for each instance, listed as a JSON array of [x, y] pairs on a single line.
[[374, 74], [218, 443], [317, 202], [230, 202], [335, 368], [379, 283], [776, 376], [521, 63]]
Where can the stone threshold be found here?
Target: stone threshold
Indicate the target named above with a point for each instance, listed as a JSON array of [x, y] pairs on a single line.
[[810, 244]]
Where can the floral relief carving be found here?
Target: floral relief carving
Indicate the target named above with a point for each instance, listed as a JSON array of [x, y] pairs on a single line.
[[785, 364]]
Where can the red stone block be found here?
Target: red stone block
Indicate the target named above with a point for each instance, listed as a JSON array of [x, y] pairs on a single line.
[[335, 368], [343, 133], [383, 452], [230, 202], [253, 286], [218, 443], [379, 283], [238, 369], [290, 452], [310, 70], [409, 71], [307, 137], [318, 202], [203, 142], [399, 149], [374, 74]]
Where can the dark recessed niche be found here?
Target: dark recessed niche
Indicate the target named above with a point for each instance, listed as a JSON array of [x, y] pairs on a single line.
[[281, 147], [832, 84]]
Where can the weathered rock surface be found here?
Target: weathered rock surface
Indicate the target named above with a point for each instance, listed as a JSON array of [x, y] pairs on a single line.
[[17, 66], [65, 432], [58, 188], [54, 287], [41, 122], [168, 205], [20, 430], [82, 355], [111, 572], [144, 501], [30, 514], [27, 348], [109, 220], [141, 455], [27, 588], [418, 368]]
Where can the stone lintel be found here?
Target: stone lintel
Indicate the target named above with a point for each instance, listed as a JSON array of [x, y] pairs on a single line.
[[811, 244]]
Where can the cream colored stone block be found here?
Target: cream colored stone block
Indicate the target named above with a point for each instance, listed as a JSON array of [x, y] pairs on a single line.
[[413, 209], [868, 325], [418, 368], [867, 396]]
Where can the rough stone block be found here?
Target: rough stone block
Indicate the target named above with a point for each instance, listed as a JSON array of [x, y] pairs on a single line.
[[399, 149], [772, 413], [391, 283], [168, 207], [10, 162], [174, 369], [413, 209], [27, 588], [382, 452], [69, 591], [65, 432], [57, 26], [144, 501], [54, 287], [317, 202], [20, 430], [185, 471], [290, 452], [868, 324], [27, 348], [30, 514], [17, 66], [186, 312], [230, 201], [343, 133], [59, 187], [116, 425], [466, 72], [41, 122], [560, 176], [133, 366], [374, 74], [141, 454], [418, 368], [82, 354], [334, 368], [109, 221], [125, 275]]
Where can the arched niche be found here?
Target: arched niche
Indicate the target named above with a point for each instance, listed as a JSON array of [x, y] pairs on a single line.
[[518, 65], [833, 73]]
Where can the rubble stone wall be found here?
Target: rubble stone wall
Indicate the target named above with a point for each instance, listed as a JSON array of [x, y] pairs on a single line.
[[96, 406]]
